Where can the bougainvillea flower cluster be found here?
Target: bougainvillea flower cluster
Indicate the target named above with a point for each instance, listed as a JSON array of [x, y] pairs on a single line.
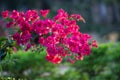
[[60, 35]]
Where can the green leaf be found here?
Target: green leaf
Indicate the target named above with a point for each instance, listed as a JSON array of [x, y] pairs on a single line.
[[2, 54], [9, 19]]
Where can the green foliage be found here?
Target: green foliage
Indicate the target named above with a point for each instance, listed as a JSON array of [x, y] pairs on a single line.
[[6, 47], [102, 64]]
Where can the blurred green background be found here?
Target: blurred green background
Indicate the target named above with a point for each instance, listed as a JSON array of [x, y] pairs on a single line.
[[102, 22], [102, 64]]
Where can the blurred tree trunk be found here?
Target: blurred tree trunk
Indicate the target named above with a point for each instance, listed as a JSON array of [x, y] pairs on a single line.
[[95, 11], [117, 11]]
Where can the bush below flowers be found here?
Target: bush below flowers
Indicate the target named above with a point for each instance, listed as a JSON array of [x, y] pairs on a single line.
[[60, 35]]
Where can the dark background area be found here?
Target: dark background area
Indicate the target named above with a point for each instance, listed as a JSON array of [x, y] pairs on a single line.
[[102, 16]]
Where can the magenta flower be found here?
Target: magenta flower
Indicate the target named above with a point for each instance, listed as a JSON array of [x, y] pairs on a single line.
[[5, 14], [44, 12], [60, 35]]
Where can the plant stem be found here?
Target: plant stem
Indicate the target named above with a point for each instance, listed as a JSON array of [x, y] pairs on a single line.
[[1, 69]]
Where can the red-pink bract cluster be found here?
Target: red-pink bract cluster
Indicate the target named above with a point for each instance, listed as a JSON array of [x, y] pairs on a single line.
[[60, 34]]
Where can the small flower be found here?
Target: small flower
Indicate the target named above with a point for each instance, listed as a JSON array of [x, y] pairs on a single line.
[[14, 49], [31, 15], [14, 14], [44, 12], [94, 44], [54, 59], [61, 15], [71, 60], [80, 57], [77, 17], [17, 38], [28, 47], [10, 24], [25, 26], [5, 14], [25, 37]]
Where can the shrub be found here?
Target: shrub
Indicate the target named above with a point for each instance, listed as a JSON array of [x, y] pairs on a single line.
[[102, 64], [60, 35]]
